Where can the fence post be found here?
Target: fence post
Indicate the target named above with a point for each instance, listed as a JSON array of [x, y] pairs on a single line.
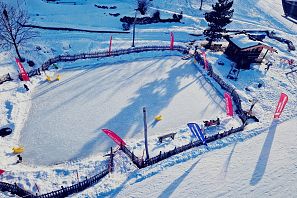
[[62, 188], [111, 163], [145, 133]]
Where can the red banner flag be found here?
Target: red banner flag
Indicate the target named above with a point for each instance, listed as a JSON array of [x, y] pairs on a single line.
[[281, 105], [229, 107], [114, 137], [110, 42], [1, 171], [205, 61], [23, 72], [171, 40]]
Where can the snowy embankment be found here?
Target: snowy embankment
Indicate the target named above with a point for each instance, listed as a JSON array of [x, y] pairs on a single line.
[[264, 165]]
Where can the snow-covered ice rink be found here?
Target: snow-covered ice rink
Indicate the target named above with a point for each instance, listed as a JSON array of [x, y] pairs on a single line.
[[74, 110]]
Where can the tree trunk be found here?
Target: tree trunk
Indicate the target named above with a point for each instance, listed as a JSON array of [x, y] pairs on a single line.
[[209, 44], [201, 1], [17, 51]]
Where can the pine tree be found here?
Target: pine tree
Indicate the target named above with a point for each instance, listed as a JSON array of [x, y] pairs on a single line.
[[217, 19]]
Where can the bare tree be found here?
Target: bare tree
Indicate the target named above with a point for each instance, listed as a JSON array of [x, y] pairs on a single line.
[[142, 6], [13, 32]]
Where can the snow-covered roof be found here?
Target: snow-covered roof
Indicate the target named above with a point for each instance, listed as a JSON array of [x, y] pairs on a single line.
[[243, 41]]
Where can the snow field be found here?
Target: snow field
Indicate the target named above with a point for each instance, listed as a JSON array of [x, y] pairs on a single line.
[[258, 162], [74, 110]]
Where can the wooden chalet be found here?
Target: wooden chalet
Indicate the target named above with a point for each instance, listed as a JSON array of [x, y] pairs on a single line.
[[244, 51], [290, 8]]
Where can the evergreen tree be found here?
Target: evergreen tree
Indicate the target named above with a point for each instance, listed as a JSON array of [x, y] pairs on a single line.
[[217, 19]]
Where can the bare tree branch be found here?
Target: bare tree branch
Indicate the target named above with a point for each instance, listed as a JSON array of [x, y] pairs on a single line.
[[13, 33]]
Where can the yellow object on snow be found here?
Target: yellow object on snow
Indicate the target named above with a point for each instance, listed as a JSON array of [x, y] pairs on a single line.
[[18, 150], [48, 78], [158, 118], [58, 77]]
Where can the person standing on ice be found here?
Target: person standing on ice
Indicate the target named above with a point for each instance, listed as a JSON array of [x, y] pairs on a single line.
[[26, 87], [268, 65], [20, 159]]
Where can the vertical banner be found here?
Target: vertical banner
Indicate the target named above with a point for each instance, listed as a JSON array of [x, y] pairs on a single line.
[[24, 74], [171, 40], [205, 61], [110, 43], [1, 171], [195, 129], [229, 107], [281, 105], [114, 137]]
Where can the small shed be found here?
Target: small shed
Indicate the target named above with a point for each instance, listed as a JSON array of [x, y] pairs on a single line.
[[244, 51]]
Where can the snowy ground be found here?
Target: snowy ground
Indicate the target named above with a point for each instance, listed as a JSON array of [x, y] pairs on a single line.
[[74, 110], [257, 162], [262, 166]]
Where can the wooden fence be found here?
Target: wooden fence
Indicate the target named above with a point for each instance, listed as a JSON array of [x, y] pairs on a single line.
[[76, 188], [5, 78], [64, 191], [162, 156], [14, 189], [103, 54]]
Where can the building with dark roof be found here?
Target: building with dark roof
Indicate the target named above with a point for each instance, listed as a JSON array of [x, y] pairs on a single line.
[[244, 51]]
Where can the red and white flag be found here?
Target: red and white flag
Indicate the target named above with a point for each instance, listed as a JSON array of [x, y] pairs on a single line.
[[229, 107], [23, 72], [1, 171], [281, 105]]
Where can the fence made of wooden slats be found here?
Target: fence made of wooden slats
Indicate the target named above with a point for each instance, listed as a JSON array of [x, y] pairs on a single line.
[[103, 54], [5, 78], [63, 192]]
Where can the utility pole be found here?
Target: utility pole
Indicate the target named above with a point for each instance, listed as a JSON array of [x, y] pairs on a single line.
[[145, 133], [201, 1], [133, 45]]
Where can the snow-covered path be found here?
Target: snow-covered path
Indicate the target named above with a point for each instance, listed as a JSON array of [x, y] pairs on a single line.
[[263, 166], [74, 110]]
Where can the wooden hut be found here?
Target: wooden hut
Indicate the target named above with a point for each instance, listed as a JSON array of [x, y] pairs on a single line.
[[290, 8], [244, 51]]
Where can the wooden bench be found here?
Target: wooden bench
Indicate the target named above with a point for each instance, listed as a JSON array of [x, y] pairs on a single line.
[[166, 136]]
